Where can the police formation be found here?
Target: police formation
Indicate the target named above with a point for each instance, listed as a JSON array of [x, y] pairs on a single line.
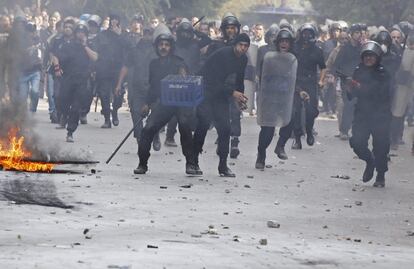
[[362, 74]]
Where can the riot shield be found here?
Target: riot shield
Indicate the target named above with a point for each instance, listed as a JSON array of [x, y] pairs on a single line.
[[277, 88]]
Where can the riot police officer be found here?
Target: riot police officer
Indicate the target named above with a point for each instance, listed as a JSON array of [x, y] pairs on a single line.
[[372, 115], [111, 50], [188, 48], [94, 23], [276, 95], [223, 75], [230, 29], [166, 64], [74, 58], [310, 58], [270, 37], [136, 66]]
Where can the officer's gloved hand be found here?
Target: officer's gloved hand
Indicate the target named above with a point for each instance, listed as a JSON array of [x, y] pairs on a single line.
[[145, 111]]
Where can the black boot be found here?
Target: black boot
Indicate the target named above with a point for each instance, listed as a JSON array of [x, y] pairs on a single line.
[[369, 171], [297, 144], [196, 166], [62, 123], [115, 119], [192, 169], [234, 149], [107, 124], [224, 170], [280, 152], [83, 119], [170, 142], [69, 137], [380, 180], [54, 118], [260, 161], [141, 169], [310, 139]]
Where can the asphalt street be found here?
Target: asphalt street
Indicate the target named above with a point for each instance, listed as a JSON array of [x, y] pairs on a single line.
[[320, 213]]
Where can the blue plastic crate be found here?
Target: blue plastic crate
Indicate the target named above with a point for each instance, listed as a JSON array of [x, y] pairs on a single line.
[[182, 91]]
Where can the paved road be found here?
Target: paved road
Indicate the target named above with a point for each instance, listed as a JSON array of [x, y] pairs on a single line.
[[210, 222]]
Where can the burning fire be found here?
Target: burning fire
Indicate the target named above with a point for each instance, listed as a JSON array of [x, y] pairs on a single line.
[[13, 156]]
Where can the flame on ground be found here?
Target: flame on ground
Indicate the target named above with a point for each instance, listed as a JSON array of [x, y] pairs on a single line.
[[13, 155]]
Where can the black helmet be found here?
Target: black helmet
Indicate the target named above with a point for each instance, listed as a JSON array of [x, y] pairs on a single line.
[[284, 34], [406, 27], [229, 19], [167, 37], [284, 24], [372, 47], [271, 33], [311, 28], [363, 26], [82, 27], [384, 38], [185, 26], [138, 18], [356, 27]]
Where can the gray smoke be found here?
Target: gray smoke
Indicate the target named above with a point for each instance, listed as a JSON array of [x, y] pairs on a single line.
[[14, 114]]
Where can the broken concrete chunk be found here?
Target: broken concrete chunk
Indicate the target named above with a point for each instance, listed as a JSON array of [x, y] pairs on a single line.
[[273, 224]]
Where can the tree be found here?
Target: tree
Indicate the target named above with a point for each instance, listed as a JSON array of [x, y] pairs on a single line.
[[373, 12], [127, 8]]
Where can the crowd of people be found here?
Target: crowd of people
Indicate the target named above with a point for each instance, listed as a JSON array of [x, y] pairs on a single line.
[[284, 74]]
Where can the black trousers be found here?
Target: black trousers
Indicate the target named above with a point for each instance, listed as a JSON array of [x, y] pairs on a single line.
[[172, 128], [106, 87], [72, 94], [379, 129], [57, 95], [311, 109], [217, 111], [265, 139], [88, 98], [161, 115]]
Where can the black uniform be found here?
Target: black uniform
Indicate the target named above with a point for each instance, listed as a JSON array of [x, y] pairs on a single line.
[[372, 115], [161, 114], [235, 113], [111, 54], [75, 64], [309, 59], [190, 53], [223, 73], [91, 89]]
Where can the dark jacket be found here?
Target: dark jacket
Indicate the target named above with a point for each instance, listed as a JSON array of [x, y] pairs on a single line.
[[160, 68], [223, 73], [373, 93]]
